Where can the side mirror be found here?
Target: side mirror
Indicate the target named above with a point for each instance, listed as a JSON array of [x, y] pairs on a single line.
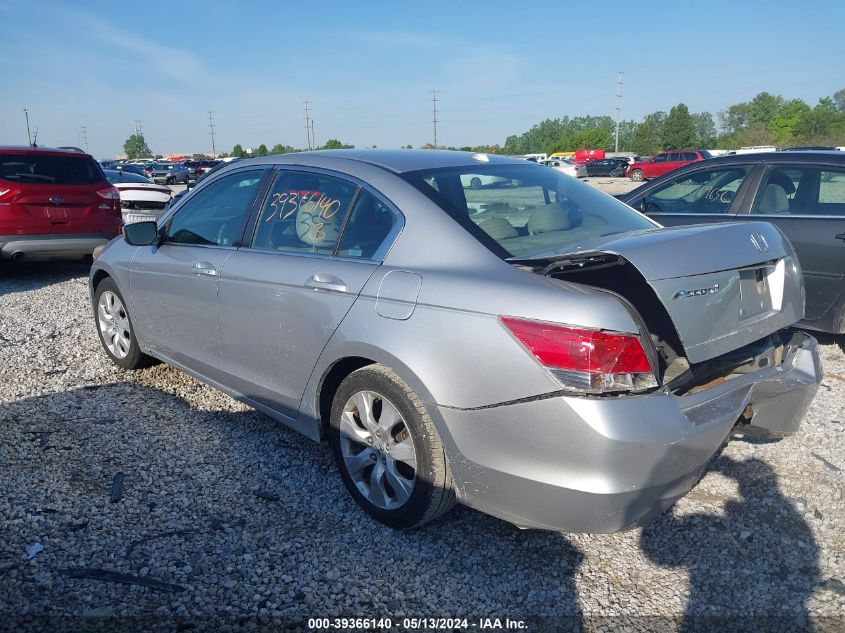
[[649, 208], [140, 233]]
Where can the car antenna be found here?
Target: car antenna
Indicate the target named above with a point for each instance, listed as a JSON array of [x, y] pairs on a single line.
[[35, 138]]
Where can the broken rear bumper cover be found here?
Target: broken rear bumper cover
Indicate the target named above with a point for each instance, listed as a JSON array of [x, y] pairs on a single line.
[[602, 465]]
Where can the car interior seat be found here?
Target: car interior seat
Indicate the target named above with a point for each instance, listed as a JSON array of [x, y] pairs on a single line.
[[550, 217], [498, 228], [773, 200]]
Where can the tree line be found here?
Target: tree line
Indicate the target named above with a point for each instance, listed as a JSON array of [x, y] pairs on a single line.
[[765, 120]]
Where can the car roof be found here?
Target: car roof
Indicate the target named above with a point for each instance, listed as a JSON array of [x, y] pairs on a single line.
[[26, 149], [803, 156], [396, 161]]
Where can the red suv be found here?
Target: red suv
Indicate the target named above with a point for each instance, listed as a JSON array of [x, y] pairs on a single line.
[[54, 204], [665, 162]]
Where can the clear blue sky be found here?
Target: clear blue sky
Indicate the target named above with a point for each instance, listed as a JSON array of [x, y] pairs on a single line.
[[367, 68]]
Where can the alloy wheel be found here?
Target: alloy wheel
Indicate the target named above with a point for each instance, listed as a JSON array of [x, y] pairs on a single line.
[[113, 322], [378, 450]]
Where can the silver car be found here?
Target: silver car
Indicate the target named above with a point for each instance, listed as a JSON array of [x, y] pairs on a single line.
[[540, 352]]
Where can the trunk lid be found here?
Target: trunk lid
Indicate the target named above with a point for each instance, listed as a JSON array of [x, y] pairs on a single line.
[[723, 285]]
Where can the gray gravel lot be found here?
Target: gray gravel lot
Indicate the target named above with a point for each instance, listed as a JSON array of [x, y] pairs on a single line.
[[228, 513]]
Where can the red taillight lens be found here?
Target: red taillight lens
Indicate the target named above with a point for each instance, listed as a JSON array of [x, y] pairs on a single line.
[[109, 193], [583, 360], [6, 192]]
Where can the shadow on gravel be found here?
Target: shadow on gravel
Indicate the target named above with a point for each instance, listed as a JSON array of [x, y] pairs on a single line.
[[20, 277], [753, 568], [152, 504], [829, 339]]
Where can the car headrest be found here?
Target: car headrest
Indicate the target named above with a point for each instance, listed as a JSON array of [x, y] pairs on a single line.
[[550, 217], [498, 228], [773, 200], [315, 229]]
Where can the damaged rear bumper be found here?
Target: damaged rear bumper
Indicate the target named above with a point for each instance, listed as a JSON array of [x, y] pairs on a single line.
[[608, 464]]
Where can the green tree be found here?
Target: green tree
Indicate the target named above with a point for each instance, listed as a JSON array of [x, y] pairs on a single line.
[[238, 151], [647, 139], [261, 151], [783, 125], [333, 143], [136, 147], [764, 108], [678, 128], [278, 148], [736, 117], [818, 124], [839, 100], [705, 129]]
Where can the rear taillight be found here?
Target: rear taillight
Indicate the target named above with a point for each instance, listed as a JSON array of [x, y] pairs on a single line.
[[7, 193], [585, 361], [109, 193]]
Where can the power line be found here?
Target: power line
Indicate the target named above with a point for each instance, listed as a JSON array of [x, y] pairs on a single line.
[[619, 83], [211, 131], [138, 128], [434, 101], [308, 127]]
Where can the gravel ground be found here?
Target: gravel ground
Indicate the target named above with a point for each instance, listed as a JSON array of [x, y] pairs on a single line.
[[227, 513]]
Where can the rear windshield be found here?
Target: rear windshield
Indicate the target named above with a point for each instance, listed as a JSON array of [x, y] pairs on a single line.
[[50, 169], [526, 209], [115, 176]]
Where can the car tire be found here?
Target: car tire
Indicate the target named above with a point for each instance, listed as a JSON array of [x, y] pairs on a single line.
[[115, 328], [637, 175], [475, 183], [387, 450]]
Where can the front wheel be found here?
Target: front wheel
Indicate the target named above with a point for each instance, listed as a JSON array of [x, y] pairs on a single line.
[[475, 183], [115, 328], [637, 175], [387, 449]]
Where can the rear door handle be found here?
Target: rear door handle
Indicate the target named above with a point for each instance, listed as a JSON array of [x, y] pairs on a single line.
[[322, 281], [841, 236], [204, 268]]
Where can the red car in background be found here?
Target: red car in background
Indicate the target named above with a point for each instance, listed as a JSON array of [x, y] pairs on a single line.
[[664, 162], [54, 204]]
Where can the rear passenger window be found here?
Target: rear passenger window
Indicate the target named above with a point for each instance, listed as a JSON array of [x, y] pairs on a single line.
[[303, 212], [369, 224], [832, 192], [675, 157], [690, 156], [801, 190]]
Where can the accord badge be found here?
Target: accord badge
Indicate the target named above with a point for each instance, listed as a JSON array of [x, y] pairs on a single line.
[[57, 199], [698, 292]]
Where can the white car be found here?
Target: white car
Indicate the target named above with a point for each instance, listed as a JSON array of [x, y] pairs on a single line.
[[481, 181], [140, 199], [576, 170]]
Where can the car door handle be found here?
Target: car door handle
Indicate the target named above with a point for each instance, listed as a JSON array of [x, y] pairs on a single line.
[[322, 281], [841, 236], [204, 268]]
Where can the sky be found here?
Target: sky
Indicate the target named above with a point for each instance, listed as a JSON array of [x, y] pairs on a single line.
[[367, 68]]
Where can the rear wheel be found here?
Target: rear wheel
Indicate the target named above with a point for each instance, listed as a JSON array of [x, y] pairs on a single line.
[[475, 183], [387, 450], [637, 175], [115, 328]]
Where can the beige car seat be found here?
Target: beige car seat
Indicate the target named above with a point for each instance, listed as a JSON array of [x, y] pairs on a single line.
[[550, 217], [773, 200]]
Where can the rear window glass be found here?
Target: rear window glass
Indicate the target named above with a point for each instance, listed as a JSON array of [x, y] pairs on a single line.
[[47, 169], [524, 210], [115, 176]]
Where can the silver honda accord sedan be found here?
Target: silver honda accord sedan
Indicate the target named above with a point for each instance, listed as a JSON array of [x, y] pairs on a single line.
[[531, 347]]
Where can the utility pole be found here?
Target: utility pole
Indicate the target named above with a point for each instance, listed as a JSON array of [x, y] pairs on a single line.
[[434, 101], [138, 127], [211, 128], [313, 138], [28, 135], [84, 137], [308, 126], [619, 83]]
